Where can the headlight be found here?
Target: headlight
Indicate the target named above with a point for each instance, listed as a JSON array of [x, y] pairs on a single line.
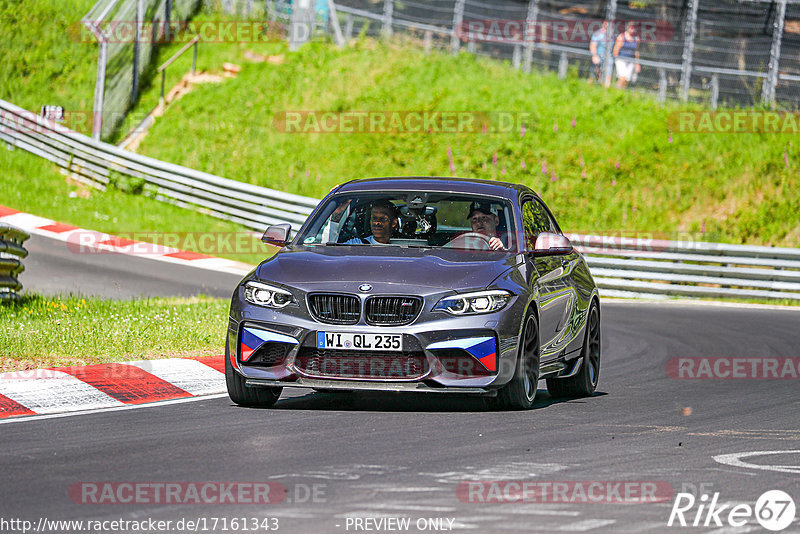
[[474, 303], [266, 295]]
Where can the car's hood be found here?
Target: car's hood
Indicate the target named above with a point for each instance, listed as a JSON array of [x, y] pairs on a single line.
[[337, 267]]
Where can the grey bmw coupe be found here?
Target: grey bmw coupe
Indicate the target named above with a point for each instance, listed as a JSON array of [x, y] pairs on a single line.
[[436, 285]]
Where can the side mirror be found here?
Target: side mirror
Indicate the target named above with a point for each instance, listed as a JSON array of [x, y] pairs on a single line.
[[277, 234], [548, 244]]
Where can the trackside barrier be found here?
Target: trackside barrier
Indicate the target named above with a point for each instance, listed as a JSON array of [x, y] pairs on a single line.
[[97, 164], [636, 267], [621, 267], [11, 255]]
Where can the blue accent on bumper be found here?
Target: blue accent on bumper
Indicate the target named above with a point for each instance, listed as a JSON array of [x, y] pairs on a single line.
[[255, 337], [477, 346]]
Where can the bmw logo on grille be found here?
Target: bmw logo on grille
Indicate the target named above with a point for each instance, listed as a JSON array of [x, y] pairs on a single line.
[[365, 288]]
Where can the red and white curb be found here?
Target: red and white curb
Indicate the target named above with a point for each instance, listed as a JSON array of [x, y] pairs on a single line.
[[108, 385], [91, 240]]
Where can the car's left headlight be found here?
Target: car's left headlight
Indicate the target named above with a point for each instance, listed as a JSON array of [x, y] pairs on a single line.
[[266, 295], [474, 303]]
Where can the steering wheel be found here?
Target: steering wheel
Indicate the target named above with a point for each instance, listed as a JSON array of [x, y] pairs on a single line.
[[470, 241]]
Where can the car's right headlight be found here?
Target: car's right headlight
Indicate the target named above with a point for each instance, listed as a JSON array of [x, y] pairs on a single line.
[[266, 295], [474, 303]]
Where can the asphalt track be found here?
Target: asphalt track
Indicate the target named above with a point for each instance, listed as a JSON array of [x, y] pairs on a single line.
[[51, 268], [393, 456]]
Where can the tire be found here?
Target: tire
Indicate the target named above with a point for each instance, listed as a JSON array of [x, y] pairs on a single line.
[[245, 396], [520, 392], [584, 383]]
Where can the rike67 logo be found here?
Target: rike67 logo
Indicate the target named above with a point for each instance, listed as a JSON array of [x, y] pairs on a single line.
[[774, 510]]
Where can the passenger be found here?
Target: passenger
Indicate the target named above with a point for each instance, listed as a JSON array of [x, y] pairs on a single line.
[[382, 222]]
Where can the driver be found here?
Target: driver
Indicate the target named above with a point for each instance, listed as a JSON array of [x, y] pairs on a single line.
[[485, 222], [382, 222]]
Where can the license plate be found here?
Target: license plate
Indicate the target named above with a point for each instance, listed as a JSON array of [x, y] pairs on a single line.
[[350, 341]]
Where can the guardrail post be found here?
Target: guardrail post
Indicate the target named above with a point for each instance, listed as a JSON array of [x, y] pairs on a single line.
[[471, 45], [662, 85], [714, 91], [348, 28], [136, 49], [531, 22], [516, 57], [690, 31], [388, 12], [333, 17], [428, 41], [99, 89], [771, 81], [611, 27], [301, 23], [458, 18], [167, 20], [563, 63]]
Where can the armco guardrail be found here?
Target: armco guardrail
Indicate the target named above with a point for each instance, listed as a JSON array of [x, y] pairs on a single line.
[[11, 255], [621, 267], [97, 163], [636, 267]]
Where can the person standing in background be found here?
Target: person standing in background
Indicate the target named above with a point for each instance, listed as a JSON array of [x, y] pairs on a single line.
[[626, 55], [597, 46]]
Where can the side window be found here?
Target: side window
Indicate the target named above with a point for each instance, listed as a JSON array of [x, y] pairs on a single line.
[[535, 220]]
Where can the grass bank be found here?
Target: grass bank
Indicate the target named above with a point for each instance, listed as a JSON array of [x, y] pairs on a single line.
[[41, 64], [46, 65], [38, 332], [33, 185], [605, 160]]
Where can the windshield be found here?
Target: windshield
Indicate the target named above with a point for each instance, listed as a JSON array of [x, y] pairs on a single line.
[[413, 219]]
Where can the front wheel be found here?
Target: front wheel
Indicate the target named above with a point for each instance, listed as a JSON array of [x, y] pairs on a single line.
[[520, 392], [245, 396], [584, 383]]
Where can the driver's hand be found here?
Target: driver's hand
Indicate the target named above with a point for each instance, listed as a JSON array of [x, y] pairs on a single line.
[[336, 216], [495, 243]]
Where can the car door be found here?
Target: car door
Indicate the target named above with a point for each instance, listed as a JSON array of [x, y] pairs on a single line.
[[555, 293]]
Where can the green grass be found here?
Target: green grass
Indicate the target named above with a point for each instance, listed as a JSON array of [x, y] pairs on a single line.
[[38, 332], [47, 66], [33, 185], [724, 187], [210, 58], [41, 64], [616, 171]]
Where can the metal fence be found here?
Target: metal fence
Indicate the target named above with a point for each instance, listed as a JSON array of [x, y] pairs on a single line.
[[624, 268], [723, 52], [11, 255], [127, 33]]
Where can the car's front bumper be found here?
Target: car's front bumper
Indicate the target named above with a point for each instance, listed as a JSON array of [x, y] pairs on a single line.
[[367, 385], [466, 354]]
